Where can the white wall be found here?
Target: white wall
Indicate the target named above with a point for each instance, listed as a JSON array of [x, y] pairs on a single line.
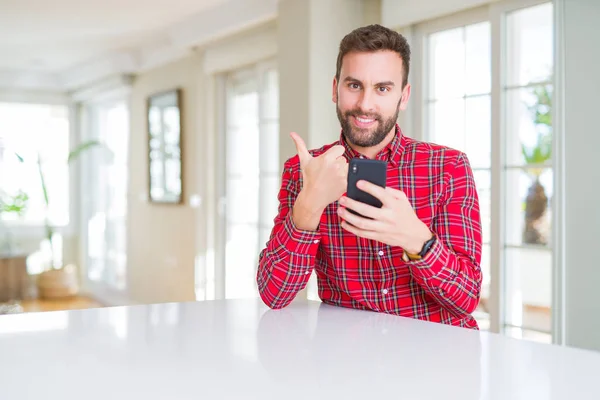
[[580, 55], [168, 244], [161, 238]]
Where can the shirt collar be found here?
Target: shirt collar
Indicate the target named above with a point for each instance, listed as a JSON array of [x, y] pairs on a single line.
[[391, 153]]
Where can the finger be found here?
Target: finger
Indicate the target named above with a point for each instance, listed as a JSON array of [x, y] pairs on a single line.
[[375, 190], [303, 153], [397, 194], [359, 232], [360, 222], [362, 208], [335, 152]]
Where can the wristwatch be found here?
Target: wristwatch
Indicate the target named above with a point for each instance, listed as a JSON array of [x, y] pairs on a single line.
[[424, 250]]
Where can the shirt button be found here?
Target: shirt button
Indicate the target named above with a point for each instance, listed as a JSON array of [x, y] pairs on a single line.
[[316, 241], [384, 291], [307, 272], [380, 252]]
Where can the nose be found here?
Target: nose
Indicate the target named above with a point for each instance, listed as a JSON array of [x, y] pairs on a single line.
[[366, 101]]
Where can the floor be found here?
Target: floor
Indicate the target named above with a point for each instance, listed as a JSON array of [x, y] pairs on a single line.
[[72, 303]]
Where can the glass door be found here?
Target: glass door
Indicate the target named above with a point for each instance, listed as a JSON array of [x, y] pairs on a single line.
[[105, 196], [250, 151]]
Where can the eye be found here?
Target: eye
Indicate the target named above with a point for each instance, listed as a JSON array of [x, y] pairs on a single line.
[[354, 85], [383, 89]]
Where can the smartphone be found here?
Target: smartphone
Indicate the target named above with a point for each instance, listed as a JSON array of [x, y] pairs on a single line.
[[374, 171]]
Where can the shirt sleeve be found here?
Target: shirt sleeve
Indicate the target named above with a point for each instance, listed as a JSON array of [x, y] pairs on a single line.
[[286, 263], [451, 270]]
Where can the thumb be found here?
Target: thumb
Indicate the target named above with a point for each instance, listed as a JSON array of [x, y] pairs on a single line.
[[335, 151], [301, 148]]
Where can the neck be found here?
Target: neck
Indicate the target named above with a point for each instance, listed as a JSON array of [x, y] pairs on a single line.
[[371, 152]]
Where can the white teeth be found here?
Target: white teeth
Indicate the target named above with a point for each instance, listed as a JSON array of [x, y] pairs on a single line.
[[366, 121]]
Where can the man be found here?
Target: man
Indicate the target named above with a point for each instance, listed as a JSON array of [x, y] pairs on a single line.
[[416, 256]]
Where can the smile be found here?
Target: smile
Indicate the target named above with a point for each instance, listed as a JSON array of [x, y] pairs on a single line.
[[363, 122]]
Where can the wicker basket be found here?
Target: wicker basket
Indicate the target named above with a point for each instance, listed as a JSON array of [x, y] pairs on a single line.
[[58, 283]]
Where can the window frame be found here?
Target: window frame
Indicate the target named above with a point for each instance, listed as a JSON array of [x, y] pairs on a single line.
[[214, 276], [495, 14], [85, 119]]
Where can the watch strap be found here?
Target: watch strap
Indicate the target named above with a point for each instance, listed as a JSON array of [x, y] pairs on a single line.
[[406, 256]]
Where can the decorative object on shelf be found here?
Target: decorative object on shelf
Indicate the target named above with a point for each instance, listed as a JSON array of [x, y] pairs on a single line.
[[10, 308], [536, 202], [165, 181]]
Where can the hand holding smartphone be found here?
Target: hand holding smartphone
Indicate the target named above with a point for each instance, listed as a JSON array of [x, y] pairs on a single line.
[[373, 171]]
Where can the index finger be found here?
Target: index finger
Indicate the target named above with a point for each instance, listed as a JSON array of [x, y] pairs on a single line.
[[375, 190]]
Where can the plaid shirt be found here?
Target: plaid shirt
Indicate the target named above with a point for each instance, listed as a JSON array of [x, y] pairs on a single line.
[[443, 287]]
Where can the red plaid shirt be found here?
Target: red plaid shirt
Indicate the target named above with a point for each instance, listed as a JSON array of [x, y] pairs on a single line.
[[365, 274]]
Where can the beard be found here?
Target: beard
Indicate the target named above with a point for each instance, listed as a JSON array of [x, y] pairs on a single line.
[[363, 137]]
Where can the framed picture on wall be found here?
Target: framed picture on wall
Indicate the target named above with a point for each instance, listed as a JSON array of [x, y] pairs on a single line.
[[164, 147]]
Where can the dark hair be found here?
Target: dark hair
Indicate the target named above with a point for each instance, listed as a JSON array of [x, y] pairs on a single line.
[[373, 38]]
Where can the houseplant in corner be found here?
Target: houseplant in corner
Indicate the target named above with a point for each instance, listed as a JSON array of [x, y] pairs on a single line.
[[11, 204], [537, 156], [57, 280]]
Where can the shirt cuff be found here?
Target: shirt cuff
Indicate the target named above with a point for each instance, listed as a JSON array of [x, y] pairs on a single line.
[[296, 240], [432, 264]]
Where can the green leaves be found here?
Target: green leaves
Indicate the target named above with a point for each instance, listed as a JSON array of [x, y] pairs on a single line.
[[542, 108], [14, 204], [76, 152], [18, 203], [541, 112], [541, 152]]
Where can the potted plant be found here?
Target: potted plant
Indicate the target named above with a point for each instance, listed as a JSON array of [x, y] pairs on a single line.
[[57, 280], [11, 204], [536, 202]]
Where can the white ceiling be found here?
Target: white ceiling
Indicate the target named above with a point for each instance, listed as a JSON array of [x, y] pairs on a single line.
[[54, 35], [49, 43], [63, 45]]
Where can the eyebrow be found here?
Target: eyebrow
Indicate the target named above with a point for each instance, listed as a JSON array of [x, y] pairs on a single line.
[[384, 83]]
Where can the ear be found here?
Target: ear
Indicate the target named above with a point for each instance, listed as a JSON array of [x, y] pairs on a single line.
[[334, 96], [405, 97]]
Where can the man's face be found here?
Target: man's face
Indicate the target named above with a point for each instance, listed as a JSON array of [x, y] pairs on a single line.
[[369, 96]]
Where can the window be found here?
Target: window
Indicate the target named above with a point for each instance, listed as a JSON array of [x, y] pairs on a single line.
[[527, 169], [457, 105], [105, 195], [251, 173], [35, 132], [470, 103]]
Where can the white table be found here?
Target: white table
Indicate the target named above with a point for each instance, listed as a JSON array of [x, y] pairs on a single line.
[[238, 349]]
